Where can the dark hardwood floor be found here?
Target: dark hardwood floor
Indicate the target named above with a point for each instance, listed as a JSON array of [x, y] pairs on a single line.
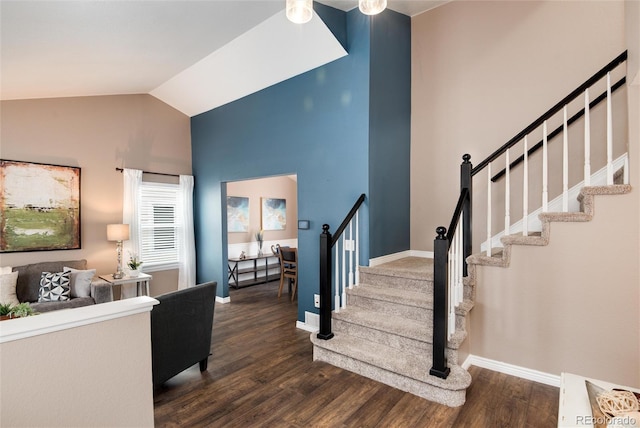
[[261, 374]]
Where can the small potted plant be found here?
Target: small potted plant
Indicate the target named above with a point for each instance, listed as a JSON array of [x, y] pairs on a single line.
[[20, 310], [134, 265]]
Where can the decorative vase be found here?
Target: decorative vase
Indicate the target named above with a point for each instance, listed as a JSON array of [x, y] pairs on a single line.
[[260, 248], [134, 272]]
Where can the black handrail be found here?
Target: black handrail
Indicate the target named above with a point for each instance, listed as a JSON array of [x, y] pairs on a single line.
[[456, 215], [441, 245], [347, 219], [553, 110], [558, 130], [326, 243]]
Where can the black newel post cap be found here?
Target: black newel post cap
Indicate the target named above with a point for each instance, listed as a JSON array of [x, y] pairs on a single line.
[[325, 228], [441, 231], [466, 157]]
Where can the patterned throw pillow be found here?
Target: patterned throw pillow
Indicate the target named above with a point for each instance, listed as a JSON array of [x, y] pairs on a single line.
[[54, 287]]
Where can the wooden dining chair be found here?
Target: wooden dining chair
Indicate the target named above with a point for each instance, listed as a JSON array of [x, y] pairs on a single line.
[[288, 269]]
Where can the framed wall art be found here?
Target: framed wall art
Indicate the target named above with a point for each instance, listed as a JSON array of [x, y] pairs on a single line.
[[274, 214], [40, 207], [237, 214]]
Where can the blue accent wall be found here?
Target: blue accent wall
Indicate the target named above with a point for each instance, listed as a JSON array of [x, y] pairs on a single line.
[[389, 133], [316, 125]]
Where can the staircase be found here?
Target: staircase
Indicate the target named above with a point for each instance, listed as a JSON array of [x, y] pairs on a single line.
[[406, 319], [385, 333]]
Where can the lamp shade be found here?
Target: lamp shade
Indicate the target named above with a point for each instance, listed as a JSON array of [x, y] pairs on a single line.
[[117, 232], [299, 11], [372, 7]]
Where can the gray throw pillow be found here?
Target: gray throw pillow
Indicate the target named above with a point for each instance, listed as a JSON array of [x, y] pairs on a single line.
[[54, 287], [80, 281]]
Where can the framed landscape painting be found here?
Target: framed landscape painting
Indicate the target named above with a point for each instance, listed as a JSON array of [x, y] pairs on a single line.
[[274, 214], [237, 214], [40, 207]]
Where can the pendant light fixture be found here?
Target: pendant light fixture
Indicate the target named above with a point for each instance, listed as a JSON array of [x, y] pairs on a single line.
[[300, 11], [372, 7]]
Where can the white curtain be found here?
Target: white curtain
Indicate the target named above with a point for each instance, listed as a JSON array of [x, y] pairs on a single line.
[[130, 210], [186, 245]]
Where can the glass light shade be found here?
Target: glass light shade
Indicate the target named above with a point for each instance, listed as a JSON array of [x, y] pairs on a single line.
[[117, 232], [299, 11], [372, 7]]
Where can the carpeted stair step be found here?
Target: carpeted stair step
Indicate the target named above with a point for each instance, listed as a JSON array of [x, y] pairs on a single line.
[[409, 273], [399, 333], [403, 370], [411, 305]]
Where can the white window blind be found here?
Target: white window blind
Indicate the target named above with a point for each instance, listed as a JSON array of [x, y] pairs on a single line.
[[160, 221]]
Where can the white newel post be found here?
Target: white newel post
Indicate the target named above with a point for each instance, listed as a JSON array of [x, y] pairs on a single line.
[[545, 170], [489, 210], [609, 133], [565, 163], [525, 190]]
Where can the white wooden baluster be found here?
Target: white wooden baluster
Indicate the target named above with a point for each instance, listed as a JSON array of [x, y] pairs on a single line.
[[507, 196], [357, 250], [545, 170], [489, 210], [626, 170], [460, 290], [525, 190], [336, 269], [565, 164], [351, 249], [451, 283], [587, 139], [609, 133], [344, 265]]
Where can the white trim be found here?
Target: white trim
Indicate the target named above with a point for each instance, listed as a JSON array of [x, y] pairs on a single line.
[[305, 327], [397, 256], [599, 178], [424, 254], [49, 322], [512, 370], [250, 248], [311, 322], [223, 299]]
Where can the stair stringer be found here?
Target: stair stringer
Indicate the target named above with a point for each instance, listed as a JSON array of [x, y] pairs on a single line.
[[587, 205]]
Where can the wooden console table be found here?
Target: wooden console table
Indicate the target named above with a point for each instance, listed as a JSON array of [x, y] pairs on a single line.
[[271, 271]]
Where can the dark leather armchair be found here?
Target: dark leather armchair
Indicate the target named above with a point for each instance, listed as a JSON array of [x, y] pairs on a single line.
[[181, 327]]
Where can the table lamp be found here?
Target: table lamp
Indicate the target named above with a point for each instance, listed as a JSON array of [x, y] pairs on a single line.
[[118, 233]]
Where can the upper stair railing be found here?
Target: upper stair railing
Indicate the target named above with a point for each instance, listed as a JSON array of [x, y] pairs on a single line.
[[453, 246], [350, 255]]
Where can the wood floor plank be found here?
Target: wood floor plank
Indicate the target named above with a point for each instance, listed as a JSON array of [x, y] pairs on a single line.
[[262, 374]]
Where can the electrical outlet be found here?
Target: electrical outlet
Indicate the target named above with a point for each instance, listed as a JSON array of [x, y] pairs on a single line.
[[316, 300]]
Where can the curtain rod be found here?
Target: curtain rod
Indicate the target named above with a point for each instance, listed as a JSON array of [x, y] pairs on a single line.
[[154, 173]]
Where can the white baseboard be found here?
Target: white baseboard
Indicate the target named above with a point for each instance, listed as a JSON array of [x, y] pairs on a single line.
[[311, 322], [234, 250], [223, 299], [512, 370], [397, 256], [424, 254]]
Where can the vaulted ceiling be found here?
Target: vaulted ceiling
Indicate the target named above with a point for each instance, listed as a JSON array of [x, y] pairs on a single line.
[[193, 55]]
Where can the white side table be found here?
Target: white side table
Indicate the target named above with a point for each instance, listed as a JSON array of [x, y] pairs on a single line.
[[575, 408], [141, 282]]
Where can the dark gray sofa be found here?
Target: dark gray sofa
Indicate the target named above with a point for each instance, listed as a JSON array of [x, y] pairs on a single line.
[[181, 327], [28, 285]]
